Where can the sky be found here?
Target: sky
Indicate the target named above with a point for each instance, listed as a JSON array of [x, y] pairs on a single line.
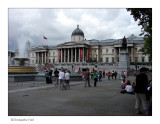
[[58, 24]]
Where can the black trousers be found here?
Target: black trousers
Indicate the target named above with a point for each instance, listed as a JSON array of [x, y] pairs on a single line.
[[95, 82]]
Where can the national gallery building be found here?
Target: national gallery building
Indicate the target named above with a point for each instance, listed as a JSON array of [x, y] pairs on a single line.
[[82, 51]]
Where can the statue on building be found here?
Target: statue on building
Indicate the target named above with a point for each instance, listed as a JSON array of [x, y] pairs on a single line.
[[124, 43]]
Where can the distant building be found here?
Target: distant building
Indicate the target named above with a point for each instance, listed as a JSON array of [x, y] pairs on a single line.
[[81, 51]]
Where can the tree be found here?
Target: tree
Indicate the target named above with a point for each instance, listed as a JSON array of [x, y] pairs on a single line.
[[144, 16]]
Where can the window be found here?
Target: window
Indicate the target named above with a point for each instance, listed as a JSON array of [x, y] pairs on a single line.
[[135, 49], [94, 51], [107, 59], [106, 50], [100, 59], [112, 59], [142, 59], [112, 50], [136, 59], [117, 59]]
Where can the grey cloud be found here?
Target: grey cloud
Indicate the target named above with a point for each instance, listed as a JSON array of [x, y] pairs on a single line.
[[58, 24]]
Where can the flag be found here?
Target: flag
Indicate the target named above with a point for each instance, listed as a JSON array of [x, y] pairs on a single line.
[[88, 54], [44, 37], [81, 53], [59, 54]]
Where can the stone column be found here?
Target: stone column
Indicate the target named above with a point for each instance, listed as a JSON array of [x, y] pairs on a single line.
[[132, 54], [75, 54], [61, 55], [58, 55], [97, 55], [64, 55], [71, 55], [45, 57], [87, 54], [68, 56], [79, 55], [38, 58], [83, 54], [42, 57], [115, 55]]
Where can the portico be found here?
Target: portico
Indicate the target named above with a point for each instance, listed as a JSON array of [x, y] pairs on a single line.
[[73, 52]]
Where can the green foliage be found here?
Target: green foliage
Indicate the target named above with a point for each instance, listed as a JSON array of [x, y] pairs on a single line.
[[144, 18]]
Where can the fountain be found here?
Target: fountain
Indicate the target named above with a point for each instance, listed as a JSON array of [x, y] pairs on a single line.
[[21, 69], [21, 72]]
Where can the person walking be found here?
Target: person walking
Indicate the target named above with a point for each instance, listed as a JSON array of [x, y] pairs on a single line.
[[115, 74], [50, 76], [149, 98], [122, 75], [140, 90], [56, 74], [109, 74], [61, 79], [47, 77], [87, 78], [95, 75], [100, 76], [67, 78], [103, 73]]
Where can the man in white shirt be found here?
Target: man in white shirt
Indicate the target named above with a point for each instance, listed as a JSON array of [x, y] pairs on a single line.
[[61, 79]]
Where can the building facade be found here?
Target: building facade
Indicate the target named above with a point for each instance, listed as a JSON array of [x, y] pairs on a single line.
[[81, 51]]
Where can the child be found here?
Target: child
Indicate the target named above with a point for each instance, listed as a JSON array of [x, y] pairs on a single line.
[[123, 84]]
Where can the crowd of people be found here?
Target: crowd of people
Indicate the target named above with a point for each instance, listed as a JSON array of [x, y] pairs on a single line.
[[142, 87], [62, 79]]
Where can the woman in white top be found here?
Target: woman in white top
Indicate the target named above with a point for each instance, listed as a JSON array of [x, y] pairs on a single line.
[[61, 78], [129, 88], [67, 78]]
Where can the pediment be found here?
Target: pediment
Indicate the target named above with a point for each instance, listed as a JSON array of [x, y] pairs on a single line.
[[71, 44]]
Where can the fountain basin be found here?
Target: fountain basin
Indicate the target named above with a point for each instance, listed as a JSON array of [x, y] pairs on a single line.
[[21, 70]]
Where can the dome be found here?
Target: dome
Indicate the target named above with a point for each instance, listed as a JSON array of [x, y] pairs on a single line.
[[77, 31]]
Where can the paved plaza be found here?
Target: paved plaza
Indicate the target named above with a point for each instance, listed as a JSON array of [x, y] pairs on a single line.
[[41, 99]]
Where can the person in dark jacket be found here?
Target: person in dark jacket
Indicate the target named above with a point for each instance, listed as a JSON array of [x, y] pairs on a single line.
[[56, 74], [50, 76], [47, 77], [140, 90]]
